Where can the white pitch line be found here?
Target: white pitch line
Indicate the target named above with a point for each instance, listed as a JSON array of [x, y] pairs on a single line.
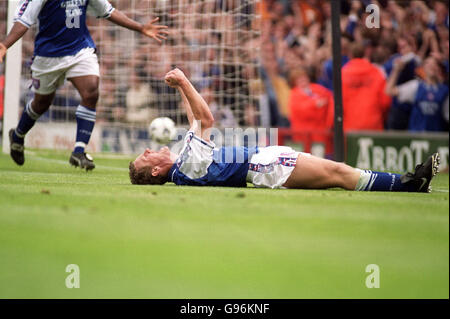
[[61, 162]]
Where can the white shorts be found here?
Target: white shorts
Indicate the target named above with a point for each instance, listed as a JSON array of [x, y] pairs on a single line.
[[272, 166], [49, 73]]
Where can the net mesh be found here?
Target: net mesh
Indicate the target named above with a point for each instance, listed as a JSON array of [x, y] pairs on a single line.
[[3, 16], [215, 42]]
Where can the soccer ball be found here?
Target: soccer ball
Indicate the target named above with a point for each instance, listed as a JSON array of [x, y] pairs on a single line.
[[162, 130]]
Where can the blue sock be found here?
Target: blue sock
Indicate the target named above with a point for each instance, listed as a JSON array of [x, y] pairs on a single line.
[[26, 122], [382, 182], [85, 125]]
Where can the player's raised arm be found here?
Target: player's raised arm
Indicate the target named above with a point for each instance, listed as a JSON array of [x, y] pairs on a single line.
[[188, 109], [198, 105], [151, 30]]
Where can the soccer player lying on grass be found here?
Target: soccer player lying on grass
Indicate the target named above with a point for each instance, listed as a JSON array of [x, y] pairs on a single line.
[[63, 50], [201, 164]]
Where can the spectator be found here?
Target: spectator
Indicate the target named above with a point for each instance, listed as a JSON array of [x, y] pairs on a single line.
[[294, 34], [300, 36], [326, 78], [428, 97], [311, 108], [139, 99], [365, 102], [444, 48], [399, 113], [273, 108], [223, 116], [280, 87], [438, 17], [310, 11]]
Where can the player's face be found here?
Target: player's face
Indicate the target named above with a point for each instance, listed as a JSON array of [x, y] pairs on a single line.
[[403, 46], [431, 67], [151, 158]]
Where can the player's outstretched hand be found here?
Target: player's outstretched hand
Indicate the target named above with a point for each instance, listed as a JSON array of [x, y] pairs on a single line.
[[2, 52], [157, 32], [174, 78]]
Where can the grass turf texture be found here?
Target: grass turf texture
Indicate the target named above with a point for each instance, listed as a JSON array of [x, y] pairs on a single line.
[[188, 242]]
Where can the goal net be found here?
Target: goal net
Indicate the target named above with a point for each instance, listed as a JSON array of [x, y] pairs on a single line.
[[215, 42]]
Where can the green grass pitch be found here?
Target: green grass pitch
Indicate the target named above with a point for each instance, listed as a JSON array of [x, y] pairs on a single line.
[[189, 242]]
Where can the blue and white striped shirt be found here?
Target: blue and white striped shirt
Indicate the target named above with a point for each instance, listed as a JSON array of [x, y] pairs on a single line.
[[62, 29], [201, 164]]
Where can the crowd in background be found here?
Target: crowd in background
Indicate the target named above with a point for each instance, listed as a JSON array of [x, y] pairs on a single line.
[[212, 41], [394, 76]]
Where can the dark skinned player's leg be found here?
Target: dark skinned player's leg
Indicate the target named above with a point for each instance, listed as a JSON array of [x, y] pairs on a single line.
[[87, 86], [41, 103], [32, 111]]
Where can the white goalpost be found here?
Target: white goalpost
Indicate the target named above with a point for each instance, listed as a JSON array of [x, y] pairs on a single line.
[[215, 42], [13, 67]]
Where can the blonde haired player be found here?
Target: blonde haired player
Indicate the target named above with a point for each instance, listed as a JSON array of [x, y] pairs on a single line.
[[63, 50], [200, 163]]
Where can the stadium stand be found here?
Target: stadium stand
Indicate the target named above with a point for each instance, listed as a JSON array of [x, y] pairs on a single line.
[[243, 64], [298, 32]]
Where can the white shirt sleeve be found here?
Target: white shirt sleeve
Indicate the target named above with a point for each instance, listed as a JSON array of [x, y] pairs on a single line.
[[100, 8], [196, 156], [407, 91], [27, 12]]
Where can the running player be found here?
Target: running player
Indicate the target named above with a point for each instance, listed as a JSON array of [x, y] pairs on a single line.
[[201, 164], [63, 50]]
